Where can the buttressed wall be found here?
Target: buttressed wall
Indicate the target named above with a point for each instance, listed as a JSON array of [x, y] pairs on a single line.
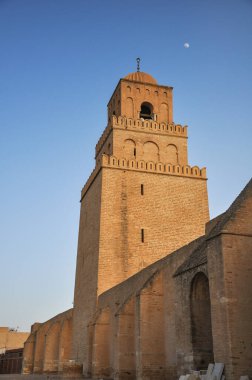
[[48, 347], [186, 310], [147, 304], [182, 312], [142, 200]]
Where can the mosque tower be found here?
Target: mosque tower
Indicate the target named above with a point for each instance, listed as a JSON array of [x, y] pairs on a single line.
[[141, 202]]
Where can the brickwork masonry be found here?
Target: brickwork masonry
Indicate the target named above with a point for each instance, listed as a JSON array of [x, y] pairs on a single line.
[[149, 126], [143, 166]]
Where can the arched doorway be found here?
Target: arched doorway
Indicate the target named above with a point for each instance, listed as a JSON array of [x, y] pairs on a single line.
[[201, 325]]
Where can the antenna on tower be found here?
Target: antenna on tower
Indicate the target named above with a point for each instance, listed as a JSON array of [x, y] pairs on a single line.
[[138, 64]]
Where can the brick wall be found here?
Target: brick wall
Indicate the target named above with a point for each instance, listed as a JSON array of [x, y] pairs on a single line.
[[85, 294], [171, 211], [129, 95]]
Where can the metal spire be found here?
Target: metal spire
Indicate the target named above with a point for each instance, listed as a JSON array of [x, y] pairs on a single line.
[[138, 64]]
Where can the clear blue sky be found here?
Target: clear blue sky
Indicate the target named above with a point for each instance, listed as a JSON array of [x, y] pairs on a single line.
[[59, 63]]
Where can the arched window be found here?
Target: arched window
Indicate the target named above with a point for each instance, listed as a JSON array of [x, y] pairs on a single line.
[[172, 154], [146, 111], [201, 324], [129, 149], [129, 107], [151, 151], [164, 113]]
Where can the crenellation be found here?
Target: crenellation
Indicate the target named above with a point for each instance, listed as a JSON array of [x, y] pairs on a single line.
[[145, 166], [91, 178], [152, 125], [154, 297], [122, 122], [186, 171], [102, 139]]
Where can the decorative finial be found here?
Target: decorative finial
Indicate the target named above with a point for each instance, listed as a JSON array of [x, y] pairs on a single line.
[[138, 64]]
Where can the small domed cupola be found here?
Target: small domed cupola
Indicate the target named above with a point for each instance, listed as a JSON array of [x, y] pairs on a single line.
[[140, 76], [139, 96]]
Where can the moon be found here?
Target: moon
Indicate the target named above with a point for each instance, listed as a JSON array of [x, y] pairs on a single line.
[[186, 45]]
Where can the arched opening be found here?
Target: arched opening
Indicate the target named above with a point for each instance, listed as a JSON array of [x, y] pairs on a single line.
[[201, 325], [146, 111], [164, 114], [129, 107], [172, 154], [151, 151], [129, 149]]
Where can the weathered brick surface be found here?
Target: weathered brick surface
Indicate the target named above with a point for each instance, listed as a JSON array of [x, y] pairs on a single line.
[[147, 305], [51, 348], [237, 260], [130, 94], [154, 301], [158, 142], [48, 347], [230, 266], [172, 212], [101, 362], [201, 321], [85, 293], [132, 216], [125, 342], [150, 331]]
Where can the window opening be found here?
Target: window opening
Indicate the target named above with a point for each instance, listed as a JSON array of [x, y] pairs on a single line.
[[135, 152], [142, 235], [142, 189], [146, 111]]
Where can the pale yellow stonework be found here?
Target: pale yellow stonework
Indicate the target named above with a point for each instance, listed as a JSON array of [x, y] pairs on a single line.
[[10, 339], [159, 289], [141, 189]]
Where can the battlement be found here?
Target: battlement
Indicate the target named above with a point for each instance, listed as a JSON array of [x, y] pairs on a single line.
[[143, 166], [149, 126], [103, 138]]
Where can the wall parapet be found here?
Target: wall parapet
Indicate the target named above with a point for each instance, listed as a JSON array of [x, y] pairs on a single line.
[[144, 166], [150, 126]]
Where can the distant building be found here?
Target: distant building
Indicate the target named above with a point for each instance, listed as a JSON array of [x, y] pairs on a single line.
[[11, 361], [159, 288], [11, 350], [10, 339]]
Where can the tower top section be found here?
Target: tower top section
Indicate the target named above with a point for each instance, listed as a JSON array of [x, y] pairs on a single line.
[[140, 76], [139, 96]]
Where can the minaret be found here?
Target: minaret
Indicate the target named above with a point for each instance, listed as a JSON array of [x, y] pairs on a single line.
[[141, 202]]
